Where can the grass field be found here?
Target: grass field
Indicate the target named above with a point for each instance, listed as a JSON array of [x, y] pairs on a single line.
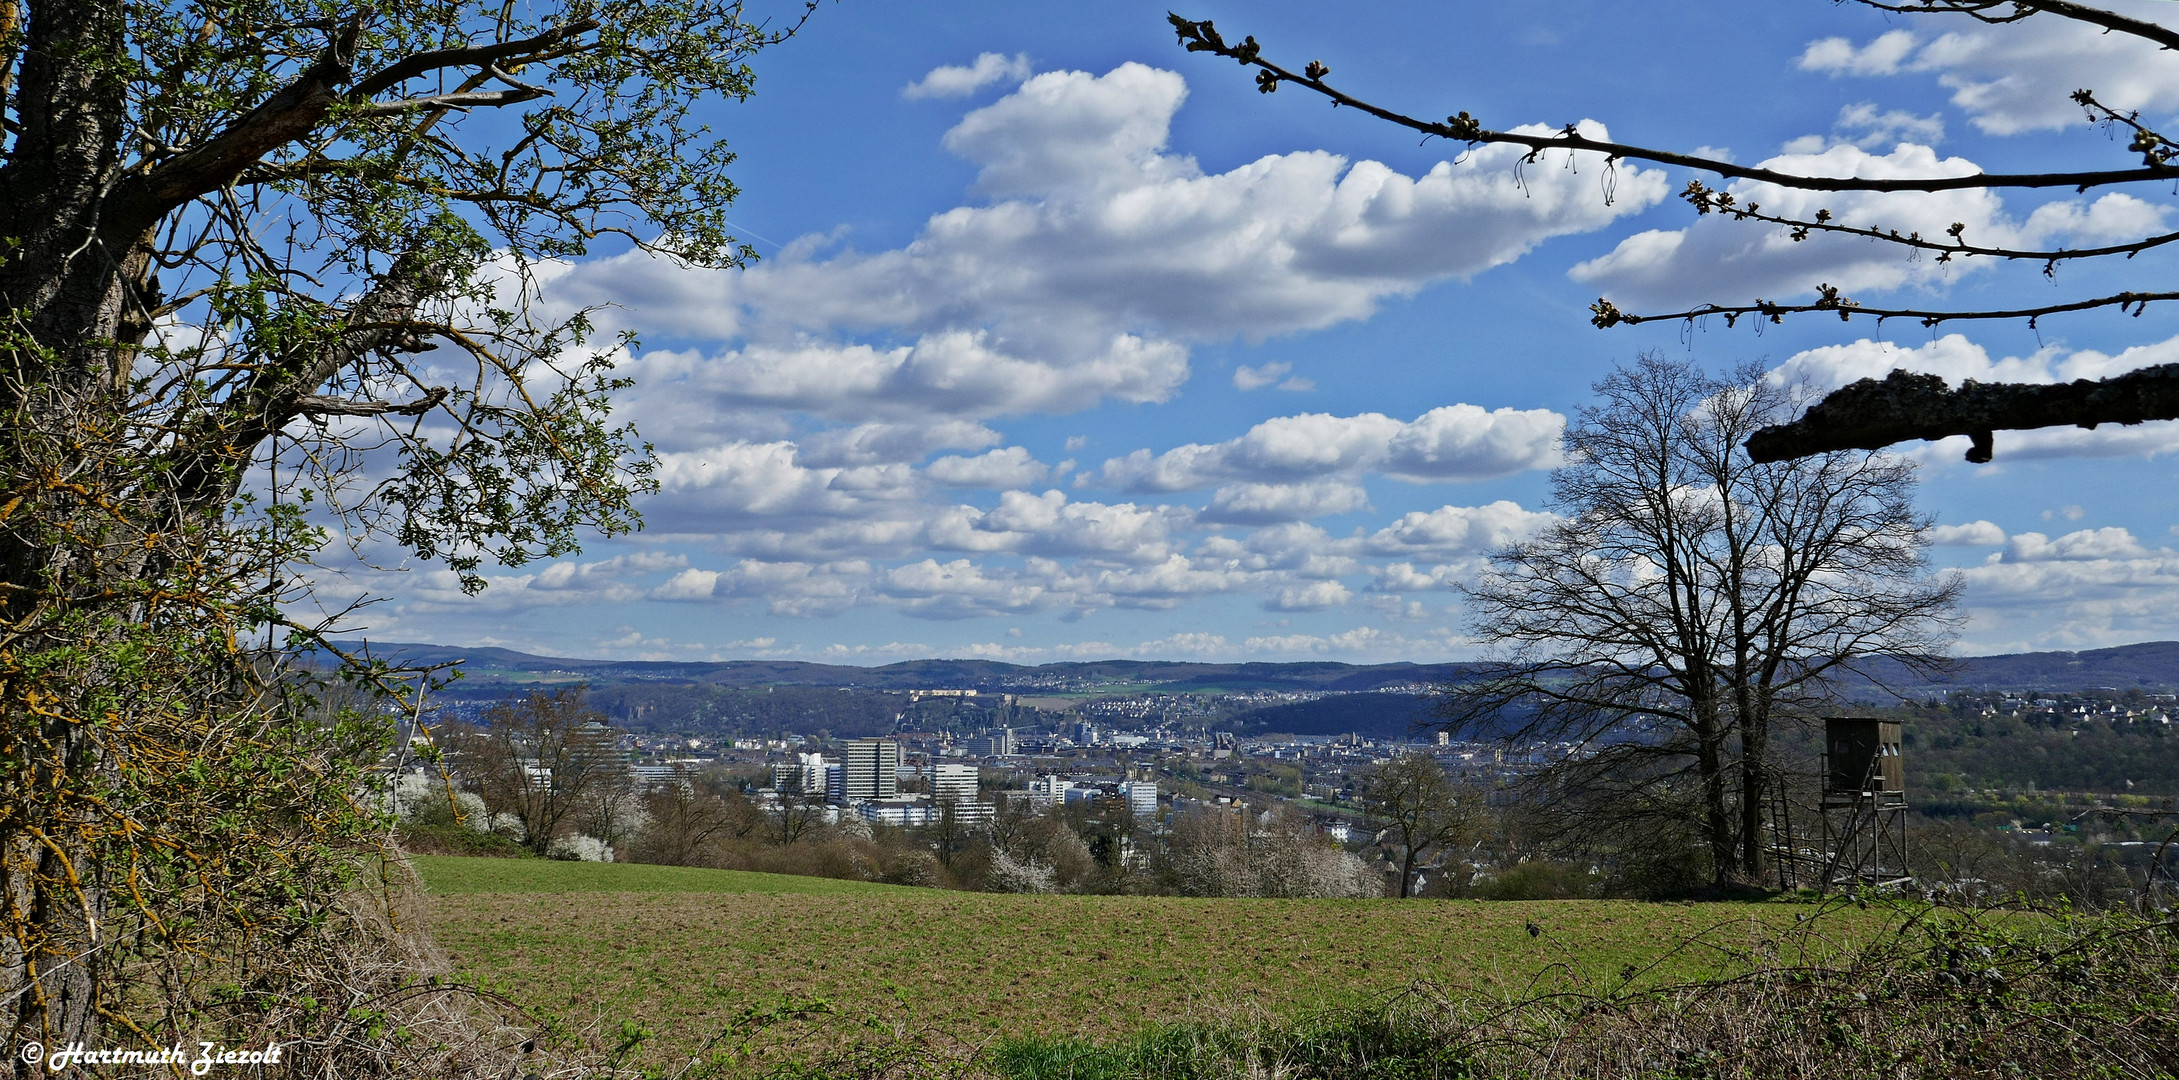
[[682, 951], [449, 875]]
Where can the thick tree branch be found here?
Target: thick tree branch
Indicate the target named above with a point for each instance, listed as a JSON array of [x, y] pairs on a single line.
[[279, 120], [304, 103], [1872, 414], [403, 70], [473, 100], [381, 319], [321, 405], [280, 388]]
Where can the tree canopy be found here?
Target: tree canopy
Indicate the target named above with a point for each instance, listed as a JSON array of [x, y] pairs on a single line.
[[266, 273]]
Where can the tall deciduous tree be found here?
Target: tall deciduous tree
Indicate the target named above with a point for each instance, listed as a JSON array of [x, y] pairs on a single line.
[[1689, 599], [1420, 809], [1871, 414], [285, 248]]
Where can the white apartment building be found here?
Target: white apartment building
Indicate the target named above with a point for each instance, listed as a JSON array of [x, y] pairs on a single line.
[[1141, 797], [804, 775], [869, 770], [953, 783]]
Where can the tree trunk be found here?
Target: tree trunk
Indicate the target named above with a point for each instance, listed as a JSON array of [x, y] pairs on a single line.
[[1754, 781], [1717, 817]]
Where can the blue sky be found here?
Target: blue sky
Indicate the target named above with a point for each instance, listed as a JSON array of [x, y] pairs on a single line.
[[1067, 344]]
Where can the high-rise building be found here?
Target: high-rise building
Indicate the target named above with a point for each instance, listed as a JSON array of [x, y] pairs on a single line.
[[1141, 797], [836, 785], [870, 769], [953, 783]]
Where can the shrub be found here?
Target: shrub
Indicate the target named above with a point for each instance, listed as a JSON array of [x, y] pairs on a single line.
[[579, 849], [1540, 879]]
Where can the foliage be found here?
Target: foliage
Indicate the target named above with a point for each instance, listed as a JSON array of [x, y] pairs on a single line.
[[685, 821], [1538, 879], [1870, 414], [460, 876], [1009, 875], [1954, 746], [1228, 852], [231, 228], [183, 848]]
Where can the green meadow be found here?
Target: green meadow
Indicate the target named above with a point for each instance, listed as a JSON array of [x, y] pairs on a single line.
[[682, 952]]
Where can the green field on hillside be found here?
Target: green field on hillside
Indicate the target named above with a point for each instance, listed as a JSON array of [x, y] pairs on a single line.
[[683, 951]]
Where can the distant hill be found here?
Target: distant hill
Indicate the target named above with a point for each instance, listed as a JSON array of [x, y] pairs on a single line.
[[494, 672], [2152, 666], [1379, 716], [753, 696]]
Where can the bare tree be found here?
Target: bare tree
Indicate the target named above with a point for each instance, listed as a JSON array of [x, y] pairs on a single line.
[[1871, 414], [544, 759], [949, 833], [1420, 809], [794, 815], [1690, 598], [685, 819], [613, 811]]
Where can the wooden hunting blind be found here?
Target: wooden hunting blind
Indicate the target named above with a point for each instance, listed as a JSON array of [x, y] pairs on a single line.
[[1861, 757], [1862, 805]]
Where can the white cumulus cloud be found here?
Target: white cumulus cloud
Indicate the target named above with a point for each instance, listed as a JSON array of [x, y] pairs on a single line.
[[1459, 530], [1098, 257], [953, 80], [2087, 589], [1972, 534], [2089, 544], [1453, 442], [1011, 467], [1259, 504], [1254, 378], [1315, 596], [2020, 76]]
